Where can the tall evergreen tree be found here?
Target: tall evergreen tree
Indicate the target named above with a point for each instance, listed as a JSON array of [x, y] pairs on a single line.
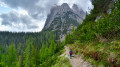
[[0, 56], [35, 55], [19, 62], [12, 56], [52, 47], [27, 56]]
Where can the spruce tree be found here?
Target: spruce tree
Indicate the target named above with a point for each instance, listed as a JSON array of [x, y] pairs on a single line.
[[35, 55], [27, 56], [12, 56]]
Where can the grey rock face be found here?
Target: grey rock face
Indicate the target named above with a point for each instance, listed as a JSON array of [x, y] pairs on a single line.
[[98, 17], [63, 18], [78, 11]]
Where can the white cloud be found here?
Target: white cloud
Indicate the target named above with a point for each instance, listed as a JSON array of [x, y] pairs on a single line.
[[26, 15], [70, 2], [21, 25], [2, 4], [0, 20], [22, 11], [40, 24], [5, 28], [84, 4]]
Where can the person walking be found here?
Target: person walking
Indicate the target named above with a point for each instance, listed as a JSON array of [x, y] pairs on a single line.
[[70, 52]]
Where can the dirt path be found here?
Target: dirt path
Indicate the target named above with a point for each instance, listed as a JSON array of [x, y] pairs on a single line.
[[76, 61]]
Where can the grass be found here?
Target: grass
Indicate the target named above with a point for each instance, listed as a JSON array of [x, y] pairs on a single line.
[[62, 62], [99, 54]]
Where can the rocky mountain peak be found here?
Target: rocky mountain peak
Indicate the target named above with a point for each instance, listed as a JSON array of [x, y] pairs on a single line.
[[78, 11], [62, 18], [75, 7], [65, 5]]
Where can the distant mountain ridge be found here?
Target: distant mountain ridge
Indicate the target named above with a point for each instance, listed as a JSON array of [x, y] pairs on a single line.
[[63, 18]]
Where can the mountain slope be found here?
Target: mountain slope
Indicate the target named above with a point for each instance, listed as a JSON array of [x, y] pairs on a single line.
[[63, 18], [99, 41], [76, 60]]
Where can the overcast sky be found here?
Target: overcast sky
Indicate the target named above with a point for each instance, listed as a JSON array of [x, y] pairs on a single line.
[[30, 15]]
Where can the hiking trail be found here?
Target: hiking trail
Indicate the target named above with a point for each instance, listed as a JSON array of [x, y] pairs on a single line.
[[76, 61]]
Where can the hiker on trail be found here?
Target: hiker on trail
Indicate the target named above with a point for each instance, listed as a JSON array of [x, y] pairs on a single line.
[[70, 52]]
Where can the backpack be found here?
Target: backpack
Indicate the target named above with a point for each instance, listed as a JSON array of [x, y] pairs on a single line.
[[71, 52]]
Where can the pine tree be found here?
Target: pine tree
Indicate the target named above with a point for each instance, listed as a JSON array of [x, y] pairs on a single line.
[[44, 53], [35, 55], [12, 56], [0, 56], [19, 62], [4, 56], [27, 56], [52, 47]]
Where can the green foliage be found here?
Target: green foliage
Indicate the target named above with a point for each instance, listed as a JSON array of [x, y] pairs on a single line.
[[93, 40], [52, 47], [27, 54], [34, 51], [98, 42], [99, 53], [69, 37], [46, 52], [19, 62], [1, 49], [35, 55], [62, 62], [49, 61], [101, 6], [12, 56], [107, 27], [20, 39]]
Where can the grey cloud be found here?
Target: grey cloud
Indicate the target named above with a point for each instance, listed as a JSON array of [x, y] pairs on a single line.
[[37, 10], [9, 18], [15, 18], [34, 7], [20, 3], [84, 4], [32, 27]]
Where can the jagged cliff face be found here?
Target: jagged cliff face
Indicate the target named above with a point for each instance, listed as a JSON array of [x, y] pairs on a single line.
[[63, 18]]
